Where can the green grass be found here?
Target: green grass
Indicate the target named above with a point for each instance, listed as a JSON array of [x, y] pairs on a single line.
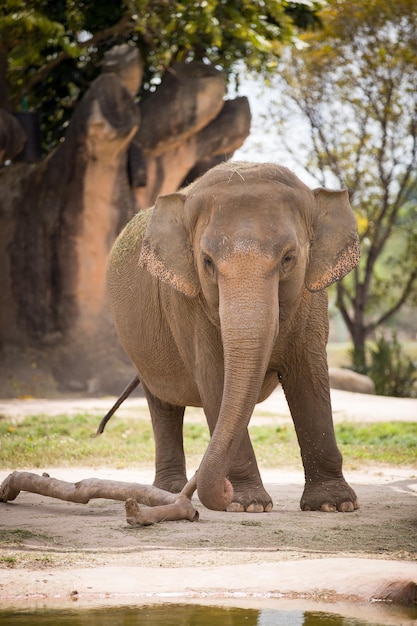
[[8, 561], [394, 443], [51, 441], [42, 441], [19, 536]]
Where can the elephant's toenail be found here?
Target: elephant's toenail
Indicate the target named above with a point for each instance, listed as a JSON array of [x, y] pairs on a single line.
[[346, 507], [326, 507]]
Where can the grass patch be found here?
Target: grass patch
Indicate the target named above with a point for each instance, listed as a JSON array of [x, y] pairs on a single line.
[[276, 446], [19, 536], [8, 561], [52, 441], [382, 442], [391, 443], [42, 441]]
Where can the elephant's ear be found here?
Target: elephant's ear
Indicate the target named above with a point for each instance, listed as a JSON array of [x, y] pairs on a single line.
[[335, 248], [166, 248]]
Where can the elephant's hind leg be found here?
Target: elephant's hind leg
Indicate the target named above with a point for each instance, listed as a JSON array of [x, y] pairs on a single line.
[[167, 423]]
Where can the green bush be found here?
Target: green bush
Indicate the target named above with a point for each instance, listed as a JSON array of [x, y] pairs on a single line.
[[392, 371]]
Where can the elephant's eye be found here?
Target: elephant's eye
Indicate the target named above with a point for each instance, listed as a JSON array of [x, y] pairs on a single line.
[[287, 260], [208, 263]]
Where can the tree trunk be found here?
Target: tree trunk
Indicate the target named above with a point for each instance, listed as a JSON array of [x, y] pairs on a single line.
[[359, 350], [355, 322]]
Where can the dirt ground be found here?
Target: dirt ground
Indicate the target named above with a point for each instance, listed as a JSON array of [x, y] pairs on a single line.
[[54, 553]]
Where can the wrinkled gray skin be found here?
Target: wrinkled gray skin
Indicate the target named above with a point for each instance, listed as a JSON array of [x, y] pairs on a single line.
[[223, 298]]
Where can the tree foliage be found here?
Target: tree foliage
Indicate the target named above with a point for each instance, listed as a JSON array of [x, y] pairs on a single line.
[[393, 372], [353, 89], [50, 50]]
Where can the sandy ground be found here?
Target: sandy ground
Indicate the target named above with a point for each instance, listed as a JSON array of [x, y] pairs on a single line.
[[56, 554]]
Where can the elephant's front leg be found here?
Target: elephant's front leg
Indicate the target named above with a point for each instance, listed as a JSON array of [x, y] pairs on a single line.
[[249, 493], [167, 423], [308, 397]]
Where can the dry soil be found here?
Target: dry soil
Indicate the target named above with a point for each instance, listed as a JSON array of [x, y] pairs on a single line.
[[55, 553]]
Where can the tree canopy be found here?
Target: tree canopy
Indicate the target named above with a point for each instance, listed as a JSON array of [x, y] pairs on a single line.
[[352, 88], [50, 50]]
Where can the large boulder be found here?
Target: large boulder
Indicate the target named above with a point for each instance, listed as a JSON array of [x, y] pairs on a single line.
[[348, 380]]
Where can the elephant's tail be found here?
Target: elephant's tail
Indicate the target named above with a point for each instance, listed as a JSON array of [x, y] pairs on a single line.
[[125, 394]]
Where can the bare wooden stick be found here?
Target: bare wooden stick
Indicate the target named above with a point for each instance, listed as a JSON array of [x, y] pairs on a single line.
[[144, 516], [160, 505]]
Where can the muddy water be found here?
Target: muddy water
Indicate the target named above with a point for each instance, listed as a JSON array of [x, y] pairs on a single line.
[[176, 615]]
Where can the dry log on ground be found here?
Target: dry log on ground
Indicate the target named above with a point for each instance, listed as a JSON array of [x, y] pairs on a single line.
[[180, 509], [157, 505]]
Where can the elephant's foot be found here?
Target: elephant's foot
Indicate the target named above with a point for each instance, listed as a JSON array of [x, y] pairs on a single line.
[[174, 483], [252, 498], [329, 495]]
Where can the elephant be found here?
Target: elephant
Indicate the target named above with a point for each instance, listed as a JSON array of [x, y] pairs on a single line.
[[218, 294]]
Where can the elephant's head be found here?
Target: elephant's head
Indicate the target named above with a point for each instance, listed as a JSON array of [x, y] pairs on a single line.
[[248, 239]]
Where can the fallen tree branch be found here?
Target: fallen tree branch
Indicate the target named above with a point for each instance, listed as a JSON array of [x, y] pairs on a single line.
[[159, 506], [181, 509]]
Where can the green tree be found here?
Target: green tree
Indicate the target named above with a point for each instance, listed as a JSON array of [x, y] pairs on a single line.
[[352, 88], [50, 50]]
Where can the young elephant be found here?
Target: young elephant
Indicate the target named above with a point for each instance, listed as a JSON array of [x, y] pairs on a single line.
[[218, 294]]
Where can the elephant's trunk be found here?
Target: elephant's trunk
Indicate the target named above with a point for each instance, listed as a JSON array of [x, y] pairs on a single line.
[[249, 327]]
